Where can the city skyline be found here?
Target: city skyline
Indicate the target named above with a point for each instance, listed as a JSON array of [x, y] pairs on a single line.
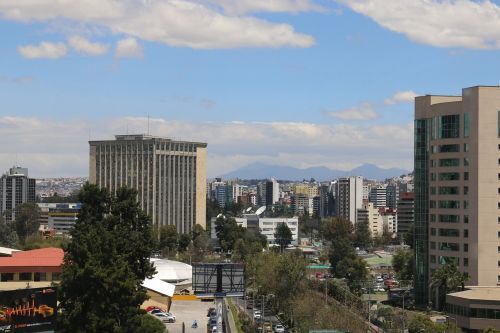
[[310, 83]]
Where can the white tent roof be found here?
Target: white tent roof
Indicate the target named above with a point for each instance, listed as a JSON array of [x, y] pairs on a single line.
[[159, 286], [7, 251], [172, 271]]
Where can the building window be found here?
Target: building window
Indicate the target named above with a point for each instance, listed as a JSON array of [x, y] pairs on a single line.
[[466, 190], [449, 148], [466, 262], [498, 263], [433, 190], [449, 176], [56, 276], [466, 175], [449, 126], [433, 218], [466, 147], [6, 277], [498, 219], [432, 204], [449, 204], [449, 232], [498, 234], [498, 249], [498, 123], [433, 163], [433, 261], [466, 125], [433, 245], [448, 190], [433, 233], [466, 204], [466, 247], [449, 162], [449, 218], [498, 278], [25, 277], [433, 176], [466, 233], [466, 218], [466, 161]]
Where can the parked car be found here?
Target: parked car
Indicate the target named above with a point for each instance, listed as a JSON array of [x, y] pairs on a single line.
[[151, 308], [257, 315], [165, 317], [279, 328]]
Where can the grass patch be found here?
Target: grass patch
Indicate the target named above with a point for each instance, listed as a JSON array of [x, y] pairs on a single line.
[[236, 318]]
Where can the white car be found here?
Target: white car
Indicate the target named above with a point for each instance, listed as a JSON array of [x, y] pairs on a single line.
[[165, 317], [279, 328], [257, 315]]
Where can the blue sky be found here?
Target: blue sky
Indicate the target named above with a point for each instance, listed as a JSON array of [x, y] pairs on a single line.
[[291, 82]]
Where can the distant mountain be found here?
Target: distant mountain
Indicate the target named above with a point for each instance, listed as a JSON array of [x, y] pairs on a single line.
[[262, 171]]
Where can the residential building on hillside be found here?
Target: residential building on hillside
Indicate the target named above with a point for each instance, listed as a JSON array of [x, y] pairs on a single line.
[[16, 188], [169, 176], [405, 213], [370, 215], [349, 197], [457, 186], [272, 192], [378, 196], [392, 196]]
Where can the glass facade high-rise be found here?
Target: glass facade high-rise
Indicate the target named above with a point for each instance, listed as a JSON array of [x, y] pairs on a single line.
[[169, 176], [16, 188], [457, 187]]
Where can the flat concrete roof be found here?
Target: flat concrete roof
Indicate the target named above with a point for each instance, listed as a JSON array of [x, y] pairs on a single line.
[[479, 293]]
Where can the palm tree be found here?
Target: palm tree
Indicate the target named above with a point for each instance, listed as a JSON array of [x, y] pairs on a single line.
[[446, 279]]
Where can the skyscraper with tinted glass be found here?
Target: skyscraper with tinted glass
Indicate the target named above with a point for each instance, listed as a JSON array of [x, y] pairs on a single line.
[[457, 186], [169, 176]]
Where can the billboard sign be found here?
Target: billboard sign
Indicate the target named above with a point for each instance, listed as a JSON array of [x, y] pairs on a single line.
[[218, 280], [28, 310]]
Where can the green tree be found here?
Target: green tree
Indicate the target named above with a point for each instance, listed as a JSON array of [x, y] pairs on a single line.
[[446, 279], [421, 323], [402, 262], [228, 231], [184, 241], [27, 220], [363, 235], [345, 263], [197, 230], [150, 324], [8, 235], [283, 236], [169, 239], [105, 264], [336, 228]]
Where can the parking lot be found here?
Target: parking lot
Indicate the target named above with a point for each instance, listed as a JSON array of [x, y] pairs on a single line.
[[187, 312]]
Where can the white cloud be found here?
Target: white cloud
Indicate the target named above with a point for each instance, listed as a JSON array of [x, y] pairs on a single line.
[[128, 48], [274, 6], [450, 23], [44, 50], [181, 23], [401, 97], [364, 111], [83, 45], [51, 147]]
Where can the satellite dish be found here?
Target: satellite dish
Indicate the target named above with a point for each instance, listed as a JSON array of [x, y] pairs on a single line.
[[260, 210], [248, 209]]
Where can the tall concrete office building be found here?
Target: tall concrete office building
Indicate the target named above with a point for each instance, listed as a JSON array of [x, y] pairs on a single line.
[[15, 188], [457, 186], [405, 213], [170, 176], [349, 197]]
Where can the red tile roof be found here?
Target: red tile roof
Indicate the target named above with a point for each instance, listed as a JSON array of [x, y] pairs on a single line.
[[39, 260]]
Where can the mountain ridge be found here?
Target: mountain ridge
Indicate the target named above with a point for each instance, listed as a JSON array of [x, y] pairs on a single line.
[[260, 170]]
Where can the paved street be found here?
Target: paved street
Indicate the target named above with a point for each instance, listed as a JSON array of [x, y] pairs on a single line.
[[187, 311]]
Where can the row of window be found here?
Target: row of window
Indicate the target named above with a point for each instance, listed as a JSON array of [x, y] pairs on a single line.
[[444, 232], [449, 204], [450, 176], [464, 311], [449, 162]]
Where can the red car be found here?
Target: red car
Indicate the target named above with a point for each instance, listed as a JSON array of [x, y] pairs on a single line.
[[151, 308]]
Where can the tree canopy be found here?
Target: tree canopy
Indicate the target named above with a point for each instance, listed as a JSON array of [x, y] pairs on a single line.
[[27, 220], [8, 235], [402, 262], [105, 265], [446, 279], [283, 235]]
